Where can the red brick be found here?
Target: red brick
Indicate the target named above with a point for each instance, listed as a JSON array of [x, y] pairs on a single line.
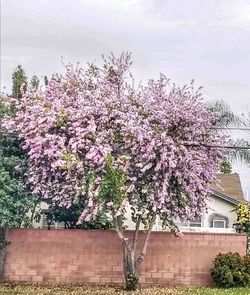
[[65, 256], [37, 278], [106, 280], [26, 278]]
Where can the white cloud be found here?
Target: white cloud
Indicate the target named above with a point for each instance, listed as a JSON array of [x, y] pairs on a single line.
[[232, 14]]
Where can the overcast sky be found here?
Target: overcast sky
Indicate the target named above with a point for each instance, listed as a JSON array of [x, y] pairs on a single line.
[[204, 40]]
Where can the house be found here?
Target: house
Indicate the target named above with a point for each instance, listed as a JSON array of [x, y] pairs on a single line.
[[219, 216]]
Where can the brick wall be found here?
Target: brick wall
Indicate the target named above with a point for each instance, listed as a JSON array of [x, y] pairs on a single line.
[[78, 256]]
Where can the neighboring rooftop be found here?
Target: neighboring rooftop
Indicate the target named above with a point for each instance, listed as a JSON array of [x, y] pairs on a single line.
[[231, 186]]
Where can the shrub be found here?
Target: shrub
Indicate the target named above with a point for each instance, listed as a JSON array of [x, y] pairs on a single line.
[[247, 263], [231, 270]]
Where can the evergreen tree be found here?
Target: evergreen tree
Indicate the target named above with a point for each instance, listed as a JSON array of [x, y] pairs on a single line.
[[34, 83], [69, 216], [19, 79], [15, 200], [226, 167]]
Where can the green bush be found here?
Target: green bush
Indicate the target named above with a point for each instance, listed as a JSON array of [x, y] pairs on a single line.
[[231, 270], [247, 263]]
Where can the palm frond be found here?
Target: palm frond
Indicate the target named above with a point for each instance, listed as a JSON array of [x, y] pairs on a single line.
[[224, 116], [241, 153]]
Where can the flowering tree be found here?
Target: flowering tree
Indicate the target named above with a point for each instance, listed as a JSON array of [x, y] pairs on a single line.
[[95, 135]]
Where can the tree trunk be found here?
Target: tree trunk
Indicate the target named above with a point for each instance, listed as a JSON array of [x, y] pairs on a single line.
[[3, 244], [130, 269], [130, 261], [248, 243]]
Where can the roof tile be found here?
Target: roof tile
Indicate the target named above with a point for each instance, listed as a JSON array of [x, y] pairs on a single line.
[[231, 186]]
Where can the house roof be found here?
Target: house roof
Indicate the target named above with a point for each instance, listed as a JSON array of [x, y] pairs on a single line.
[[231, 190]]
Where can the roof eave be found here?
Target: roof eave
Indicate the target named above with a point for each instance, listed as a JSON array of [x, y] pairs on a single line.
[[225, 197]]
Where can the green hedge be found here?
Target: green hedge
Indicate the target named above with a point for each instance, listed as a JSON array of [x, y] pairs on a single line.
[[231, 270]]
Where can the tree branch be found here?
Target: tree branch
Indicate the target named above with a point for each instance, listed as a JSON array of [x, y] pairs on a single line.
[[119, 223], [33, 211], [144, 249], [123, 239], [119, 230], [136, 233]]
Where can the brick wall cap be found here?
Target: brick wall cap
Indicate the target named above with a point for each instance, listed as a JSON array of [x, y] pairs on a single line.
[[127, 231]]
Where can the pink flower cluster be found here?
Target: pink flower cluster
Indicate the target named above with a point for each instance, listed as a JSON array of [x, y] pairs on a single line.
[[160, 136]]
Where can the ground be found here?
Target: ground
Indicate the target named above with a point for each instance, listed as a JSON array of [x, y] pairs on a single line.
[[10, 289]]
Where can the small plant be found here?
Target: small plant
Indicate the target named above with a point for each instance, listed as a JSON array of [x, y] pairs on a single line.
[[231, 270]]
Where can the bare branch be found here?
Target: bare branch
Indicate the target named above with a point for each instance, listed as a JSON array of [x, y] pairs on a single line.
[[123, 239], [119, 230], [119, 223], [144, 249]]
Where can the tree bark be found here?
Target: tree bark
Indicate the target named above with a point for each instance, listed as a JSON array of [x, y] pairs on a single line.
[[137, 227], [141, 257], [33, 211], [3, 244], [248, 243], [129, 269]]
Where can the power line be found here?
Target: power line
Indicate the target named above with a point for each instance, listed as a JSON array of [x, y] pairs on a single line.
[[232, 147], [232, 128], [219, 146]]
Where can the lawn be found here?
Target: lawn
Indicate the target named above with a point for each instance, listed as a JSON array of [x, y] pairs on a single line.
[[9, 289]]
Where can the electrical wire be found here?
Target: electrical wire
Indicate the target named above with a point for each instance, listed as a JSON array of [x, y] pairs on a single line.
[[232, 147], [232, 128]]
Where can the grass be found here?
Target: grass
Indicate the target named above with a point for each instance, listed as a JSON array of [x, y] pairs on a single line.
[[24, 289]]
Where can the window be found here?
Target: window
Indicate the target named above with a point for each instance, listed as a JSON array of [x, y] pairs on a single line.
[[181, 223], [219, 223], [195, 223], [191, 223]]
